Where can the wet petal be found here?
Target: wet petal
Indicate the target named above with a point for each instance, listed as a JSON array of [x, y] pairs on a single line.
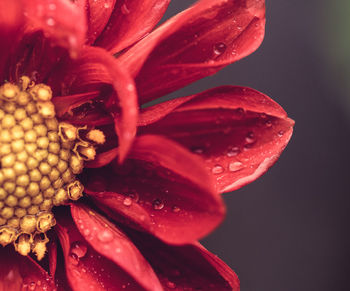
[[189, 267], [98, 14], [161, 188], [63, 21], [194, 44], [113, 244], [239, 132], [130, 21], [22, 273], [85, 268]]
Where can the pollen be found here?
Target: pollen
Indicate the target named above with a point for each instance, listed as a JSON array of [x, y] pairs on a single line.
[[39, 160]]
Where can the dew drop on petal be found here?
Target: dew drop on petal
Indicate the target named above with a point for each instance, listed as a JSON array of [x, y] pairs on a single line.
[[106, 5], [235, 166], [268, 123], [171, 285], [105, 235], [175, 209], [280, 133], [78, 250], [250, 138], [219, 48], [217, 169], [234, 151], [157, 204], [127, 201], [50, 21]]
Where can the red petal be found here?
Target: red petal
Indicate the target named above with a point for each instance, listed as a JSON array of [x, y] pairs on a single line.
[[86, 269], [161, 188], [189, 267], [22, 273], [238, 131], [113, 244], [11, 21], [194, 44], [62, 20], [130, 21], [94, 70], [98, 14]]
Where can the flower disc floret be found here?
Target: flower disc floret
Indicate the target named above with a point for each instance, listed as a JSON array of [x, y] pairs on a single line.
[[39, 158]]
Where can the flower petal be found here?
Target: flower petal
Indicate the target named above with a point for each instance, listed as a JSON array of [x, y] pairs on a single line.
[[98, 14], [11, 21], [161, 188], [22, 273], [85, 268], [62, 20], [95, 70], [113, 244], [130, 21], [189, 267], [238, 131], [194, 44]]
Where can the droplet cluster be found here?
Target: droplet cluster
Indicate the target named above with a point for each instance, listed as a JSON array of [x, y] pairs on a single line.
[[39, 158]]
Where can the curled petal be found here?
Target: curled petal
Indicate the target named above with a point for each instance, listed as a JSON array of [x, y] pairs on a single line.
[[189, 267], [239, 132], [96, 70], [194, 44], [22, 273], [130, 21], [85, 268], [161, 188], [113, 244]]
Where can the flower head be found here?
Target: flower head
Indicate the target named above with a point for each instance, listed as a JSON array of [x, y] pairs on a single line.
[[136, 187]]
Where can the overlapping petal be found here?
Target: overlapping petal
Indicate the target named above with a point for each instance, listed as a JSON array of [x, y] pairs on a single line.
[[188, 267], [129, 22], [22, 273], [194, 44], [85, 268], [95, 70], [61, 20], [238, 131], [161, 188], [113, 244]]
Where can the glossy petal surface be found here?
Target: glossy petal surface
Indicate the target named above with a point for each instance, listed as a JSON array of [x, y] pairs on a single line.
[[160, 189], [22, 273], [113, 244], [194, 44], [188, 267], [238, 131], [85, 268], [130, 21]]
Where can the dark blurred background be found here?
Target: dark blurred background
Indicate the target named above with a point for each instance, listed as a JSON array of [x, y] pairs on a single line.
[[290, 229]]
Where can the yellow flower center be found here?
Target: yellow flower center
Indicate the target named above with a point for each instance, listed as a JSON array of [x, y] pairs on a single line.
[[39, 158]]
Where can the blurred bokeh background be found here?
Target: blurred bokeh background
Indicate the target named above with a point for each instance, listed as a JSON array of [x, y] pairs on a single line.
[[290, 229]]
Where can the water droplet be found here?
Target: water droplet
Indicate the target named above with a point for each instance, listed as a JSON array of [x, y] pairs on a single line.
[[250, 138], [197, 150], [86, 232], [219, 48], [268, 123], [175, 209], [77, 251], [106, 5], [217, 169], [158, 205], [50, 21], [263, 115], [105, 236], [280, 133], [127, 201], [234, 151], [124, 9], [235, 166]]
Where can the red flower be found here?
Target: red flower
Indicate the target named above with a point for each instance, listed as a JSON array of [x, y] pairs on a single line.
[[155, 173]]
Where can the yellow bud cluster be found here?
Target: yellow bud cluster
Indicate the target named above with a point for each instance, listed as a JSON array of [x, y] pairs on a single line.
[[39, 158]]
